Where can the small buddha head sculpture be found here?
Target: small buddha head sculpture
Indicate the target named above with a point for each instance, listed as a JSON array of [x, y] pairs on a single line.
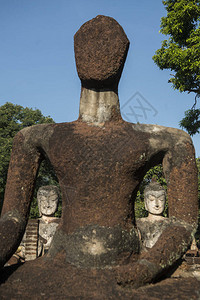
[[155, 198], [48, 197]]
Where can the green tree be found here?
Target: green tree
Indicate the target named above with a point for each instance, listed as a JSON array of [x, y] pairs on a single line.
[[181, 53], [13, 118]]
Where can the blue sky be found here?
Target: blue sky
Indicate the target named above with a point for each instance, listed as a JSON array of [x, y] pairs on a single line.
[[37, 66]]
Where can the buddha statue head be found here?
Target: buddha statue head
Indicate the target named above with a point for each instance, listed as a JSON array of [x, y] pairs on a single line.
[[155, 198], [48, 197]]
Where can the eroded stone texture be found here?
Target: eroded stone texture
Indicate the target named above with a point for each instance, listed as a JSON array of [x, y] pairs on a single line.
[[151, 227], [100, 163], [96, 246], [48, 198], [100, 47], [151, 231], [60, 281]]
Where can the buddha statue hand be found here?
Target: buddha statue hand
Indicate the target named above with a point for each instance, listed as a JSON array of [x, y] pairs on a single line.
[[136, 274]]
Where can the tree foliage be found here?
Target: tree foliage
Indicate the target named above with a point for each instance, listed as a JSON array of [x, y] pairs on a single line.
[[191, 121], [181, 52], [13, 118]]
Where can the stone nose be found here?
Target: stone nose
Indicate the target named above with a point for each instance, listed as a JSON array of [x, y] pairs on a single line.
[[48, 203]]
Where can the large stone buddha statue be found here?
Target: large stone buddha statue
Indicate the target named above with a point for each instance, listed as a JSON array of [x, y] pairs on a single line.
[[100, 161]]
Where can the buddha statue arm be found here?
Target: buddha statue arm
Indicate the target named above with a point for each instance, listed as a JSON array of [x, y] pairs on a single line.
[[24, 163], [180, 170]]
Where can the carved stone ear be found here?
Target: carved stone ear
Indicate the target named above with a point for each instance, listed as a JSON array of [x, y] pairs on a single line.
[[101, 47]]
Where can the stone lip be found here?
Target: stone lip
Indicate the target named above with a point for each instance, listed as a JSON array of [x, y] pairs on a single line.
[[101, 47]]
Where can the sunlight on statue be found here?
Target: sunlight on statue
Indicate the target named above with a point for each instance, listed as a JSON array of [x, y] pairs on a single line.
[[48, 198], [100, 161], [154, 198], [151, 227]]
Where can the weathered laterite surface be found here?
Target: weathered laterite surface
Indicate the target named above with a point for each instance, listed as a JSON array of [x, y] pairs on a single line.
[[100, 54], [95, 253], [53, 280], [99, 172]]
